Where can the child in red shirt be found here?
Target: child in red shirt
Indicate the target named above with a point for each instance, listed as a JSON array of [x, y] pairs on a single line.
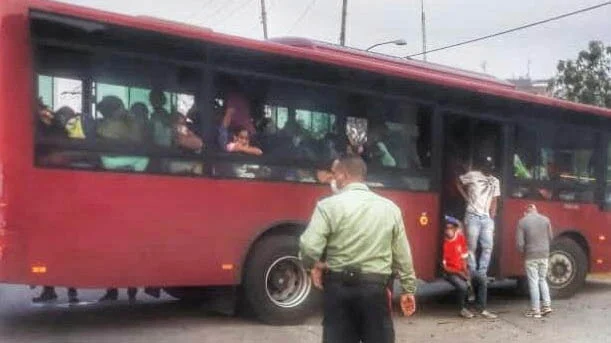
[[455, 253]]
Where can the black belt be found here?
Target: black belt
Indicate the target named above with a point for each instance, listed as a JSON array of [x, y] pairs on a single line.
[[381, 279]]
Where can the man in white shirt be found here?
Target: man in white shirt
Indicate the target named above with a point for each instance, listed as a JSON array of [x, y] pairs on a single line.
[[481, 191]]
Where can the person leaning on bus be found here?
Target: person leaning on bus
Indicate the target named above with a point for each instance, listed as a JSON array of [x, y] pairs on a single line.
[[363, 239]]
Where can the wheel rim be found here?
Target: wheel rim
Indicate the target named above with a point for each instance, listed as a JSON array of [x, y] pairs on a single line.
[[286, 282], [561, 269]]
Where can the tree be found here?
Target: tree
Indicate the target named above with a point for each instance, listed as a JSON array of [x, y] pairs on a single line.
[[586, 80]]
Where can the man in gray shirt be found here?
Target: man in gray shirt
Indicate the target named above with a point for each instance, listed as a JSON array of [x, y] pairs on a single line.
[[533, 239]]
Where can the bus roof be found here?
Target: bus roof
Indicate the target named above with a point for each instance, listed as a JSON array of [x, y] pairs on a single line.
[[325, 53]]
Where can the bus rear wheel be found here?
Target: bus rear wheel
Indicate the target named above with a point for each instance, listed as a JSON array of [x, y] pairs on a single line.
[[277, 289], [568, 266]]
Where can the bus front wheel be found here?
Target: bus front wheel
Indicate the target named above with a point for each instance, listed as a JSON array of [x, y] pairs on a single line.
[[568, 267], [277, 289]]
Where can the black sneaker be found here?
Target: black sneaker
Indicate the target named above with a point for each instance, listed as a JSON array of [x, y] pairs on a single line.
[[73, 300], [111, 295], [45, 298]]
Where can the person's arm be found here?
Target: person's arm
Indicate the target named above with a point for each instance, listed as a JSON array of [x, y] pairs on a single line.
[[247, 149], [494, 207], [520, 238], [402, 263], [495, 198], [461, 189], [223, 137], [550, 231], [313, 241]]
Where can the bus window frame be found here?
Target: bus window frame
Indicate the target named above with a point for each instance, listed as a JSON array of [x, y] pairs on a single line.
[[556, 186], [208, 69]]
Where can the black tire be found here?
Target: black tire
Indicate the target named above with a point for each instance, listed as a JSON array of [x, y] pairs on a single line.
[[273, 265], [568, 268]]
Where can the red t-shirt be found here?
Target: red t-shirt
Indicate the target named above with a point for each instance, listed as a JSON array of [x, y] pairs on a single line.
[[454, 252]]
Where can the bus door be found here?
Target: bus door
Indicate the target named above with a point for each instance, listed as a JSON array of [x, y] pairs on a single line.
[[468, 140]]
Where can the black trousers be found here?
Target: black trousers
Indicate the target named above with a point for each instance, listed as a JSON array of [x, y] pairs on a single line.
[[357, 313], [461, 288]]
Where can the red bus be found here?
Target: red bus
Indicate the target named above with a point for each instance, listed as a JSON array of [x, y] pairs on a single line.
[[102, 194]]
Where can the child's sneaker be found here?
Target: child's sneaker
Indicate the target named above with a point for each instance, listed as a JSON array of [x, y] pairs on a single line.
[[545, 310], [466, 313], [533, 314]]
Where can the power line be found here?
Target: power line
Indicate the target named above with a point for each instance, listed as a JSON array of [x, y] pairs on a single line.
[[221, 9], [195, 14], [514, 29], [240, 8], [303, 15]]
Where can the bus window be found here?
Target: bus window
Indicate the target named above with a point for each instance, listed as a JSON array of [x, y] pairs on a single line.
[[60, 119], [293, 127], [60, 105], [558, 163], [393, 137]]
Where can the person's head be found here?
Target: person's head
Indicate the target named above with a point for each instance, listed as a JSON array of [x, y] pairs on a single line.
[[452, 226], [157, 98], [111, 107], [241, 136], [44, 113], [64, 114], [140, 111], [530, 208], [485, 164], [348, 169]]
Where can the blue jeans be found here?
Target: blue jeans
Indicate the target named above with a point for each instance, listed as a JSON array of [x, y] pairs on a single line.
[[536, 271], [480, 229]]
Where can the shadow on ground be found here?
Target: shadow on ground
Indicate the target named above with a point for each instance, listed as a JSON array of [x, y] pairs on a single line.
[[94, 317]]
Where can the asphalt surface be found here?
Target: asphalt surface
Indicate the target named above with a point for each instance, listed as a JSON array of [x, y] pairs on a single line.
[[583, 318]]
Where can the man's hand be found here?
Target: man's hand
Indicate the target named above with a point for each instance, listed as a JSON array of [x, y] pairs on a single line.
[[408, 304], [317, 272]]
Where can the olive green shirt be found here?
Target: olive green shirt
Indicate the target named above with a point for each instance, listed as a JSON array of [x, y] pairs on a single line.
[[358, 228]]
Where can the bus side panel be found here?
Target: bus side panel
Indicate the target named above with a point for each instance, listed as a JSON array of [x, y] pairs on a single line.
[[15, 132], [103, 229], [585, 219]]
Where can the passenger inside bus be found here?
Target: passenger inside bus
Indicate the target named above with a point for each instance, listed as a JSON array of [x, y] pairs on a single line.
[[62, 124], [294, 142], [119, 127], [241, 143], [376, 151], [161, 120], [184, 137]]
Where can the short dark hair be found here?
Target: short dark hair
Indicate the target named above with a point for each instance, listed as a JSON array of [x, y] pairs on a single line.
[[353, 165], [235, 130], [110, 105]]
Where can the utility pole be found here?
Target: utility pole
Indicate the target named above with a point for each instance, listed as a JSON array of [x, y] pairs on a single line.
[[342, 35], [423, 30], [264, 19]]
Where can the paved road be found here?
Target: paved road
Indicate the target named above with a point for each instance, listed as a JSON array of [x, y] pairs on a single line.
[[583, 318]]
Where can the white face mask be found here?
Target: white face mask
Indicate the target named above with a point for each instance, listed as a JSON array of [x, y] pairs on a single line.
[[334, 187]]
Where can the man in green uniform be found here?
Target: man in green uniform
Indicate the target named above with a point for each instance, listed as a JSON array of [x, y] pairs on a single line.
[[354, 241]]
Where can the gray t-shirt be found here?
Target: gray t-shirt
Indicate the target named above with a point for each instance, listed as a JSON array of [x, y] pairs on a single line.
[[534, 236], [481, 190]]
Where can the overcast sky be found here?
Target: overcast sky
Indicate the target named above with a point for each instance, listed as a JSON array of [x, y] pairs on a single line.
[[373, 21]]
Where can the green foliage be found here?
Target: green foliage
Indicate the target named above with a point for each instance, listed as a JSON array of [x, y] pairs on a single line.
[[587, 79]]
